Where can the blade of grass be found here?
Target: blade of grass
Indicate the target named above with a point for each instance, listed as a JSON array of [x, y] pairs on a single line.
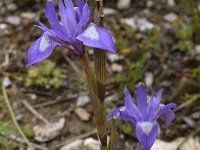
[[5, 96]]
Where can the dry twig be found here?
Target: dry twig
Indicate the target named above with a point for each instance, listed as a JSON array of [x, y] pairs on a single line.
[[34, 112], [78, 137]]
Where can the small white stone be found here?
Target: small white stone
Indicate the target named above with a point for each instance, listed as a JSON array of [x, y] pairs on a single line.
[[114, 57], [6, 81], [33, 96], [197, 49], [171, 3], [110, 98], [82, 114], [116, 68], [91, 33], [75, 145], [140, 24], [14, 20], [28, 15], [149, 79], [3, 26], [123, 4], [109, 11], [92, 143], [189, 144], [146, 127], [130, 21], [144, 25], [12, 7], [150, 3], [171, 17], [48, 131], [82, 101]]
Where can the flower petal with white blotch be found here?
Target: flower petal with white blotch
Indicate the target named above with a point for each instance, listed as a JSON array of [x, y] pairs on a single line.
[[40, 49], [97, 37]]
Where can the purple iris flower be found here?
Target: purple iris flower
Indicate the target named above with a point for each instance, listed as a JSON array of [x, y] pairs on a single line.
[[144, 116], [70, 29]]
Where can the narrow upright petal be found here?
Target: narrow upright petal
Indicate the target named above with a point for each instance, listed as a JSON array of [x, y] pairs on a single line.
[[50, 13], [141, 96], [158, 99], [84, 18], [130, 106], [40, 49], [97, 37], [146, 133], [80, 5], [68, 17]]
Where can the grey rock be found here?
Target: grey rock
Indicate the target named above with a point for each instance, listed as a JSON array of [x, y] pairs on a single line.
[[130, 22], [189, 144], [171, 3], [123, 4], [114, 57], [3, 26], [4, 29], [109, 11], [92, 143], [12, 7], [140, 24], [150, 3], [33, 96], [197, 49], [14, 20], [2, 10], [111, 98], [28, 15], [171, 17], [73, 146], [6, 81], [144, 25], [82, 114], [48, 131], [116, 68], [82, 101], [149, 79]]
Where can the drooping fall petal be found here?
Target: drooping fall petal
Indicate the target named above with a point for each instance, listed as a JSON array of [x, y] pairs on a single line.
[[40, 49], [146, 133], [97, 37]]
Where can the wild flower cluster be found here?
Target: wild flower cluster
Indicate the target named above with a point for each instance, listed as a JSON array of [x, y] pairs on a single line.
[[71, 32]]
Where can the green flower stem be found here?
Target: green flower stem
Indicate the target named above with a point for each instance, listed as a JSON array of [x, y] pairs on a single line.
[[14, 118]]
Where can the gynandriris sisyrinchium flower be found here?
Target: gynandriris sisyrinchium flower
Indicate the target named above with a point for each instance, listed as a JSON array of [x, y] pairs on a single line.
[[144, 115], [70, 29]]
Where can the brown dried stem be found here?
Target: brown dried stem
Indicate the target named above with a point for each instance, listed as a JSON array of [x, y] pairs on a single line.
[[100, 55], [97, 106]]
